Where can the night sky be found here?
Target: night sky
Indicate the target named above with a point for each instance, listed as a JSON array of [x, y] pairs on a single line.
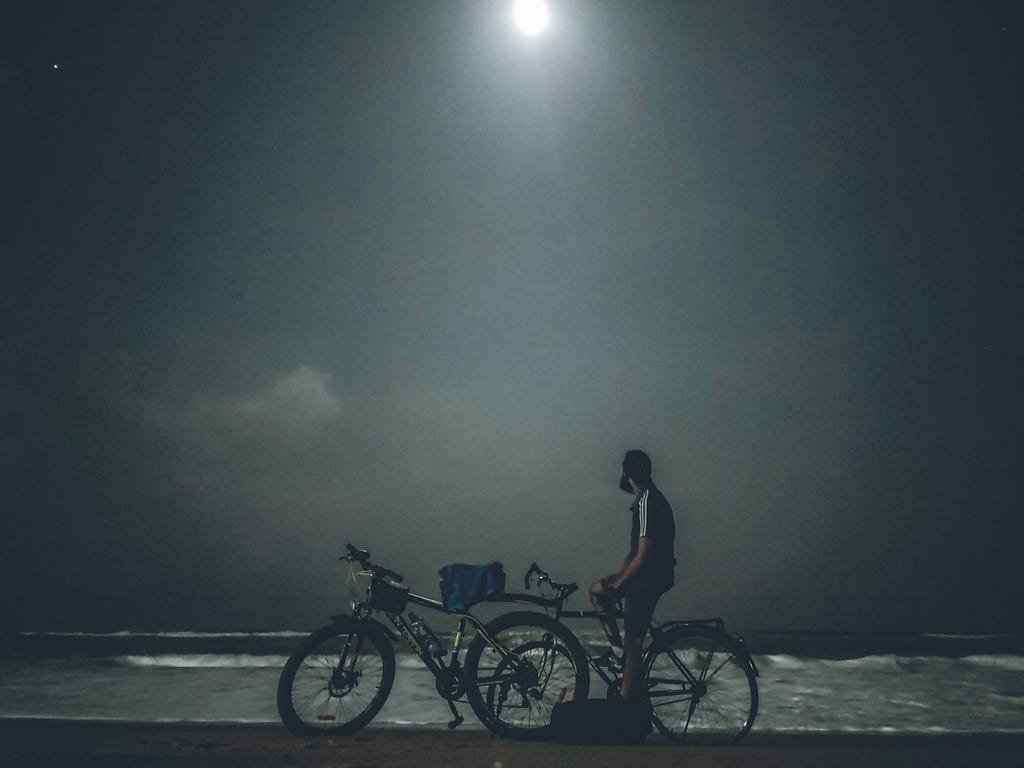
[[282, 275]]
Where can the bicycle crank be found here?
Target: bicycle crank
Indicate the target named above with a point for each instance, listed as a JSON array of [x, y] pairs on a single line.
[[450, 683]]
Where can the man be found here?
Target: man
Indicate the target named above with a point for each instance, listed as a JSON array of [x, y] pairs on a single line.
[[647, 572]]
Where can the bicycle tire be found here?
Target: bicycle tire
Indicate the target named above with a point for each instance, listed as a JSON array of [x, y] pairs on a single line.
[[513, 694], [325, 689], [701, 685]]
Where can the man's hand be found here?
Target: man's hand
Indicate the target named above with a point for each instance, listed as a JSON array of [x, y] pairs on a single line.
[[615, 590]]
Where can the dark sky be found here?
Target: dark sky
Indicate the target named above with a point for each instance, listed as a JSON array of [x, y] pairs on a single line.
[[280, 275]]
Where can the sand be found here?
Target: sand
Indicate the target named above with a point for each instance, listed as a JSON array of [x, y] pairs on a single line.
[[57, 743]]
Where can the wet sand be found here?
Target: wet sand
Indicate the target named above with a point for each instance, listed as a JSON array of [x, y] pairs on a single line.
[[57, 743]]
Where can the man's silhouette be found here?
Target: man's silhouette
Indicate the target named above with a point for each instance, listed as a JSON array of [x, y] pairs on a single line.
[[647, 573]]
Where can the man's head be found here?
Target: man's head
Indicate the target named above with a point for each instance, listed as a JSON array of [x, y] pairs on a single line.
[[636, 466]]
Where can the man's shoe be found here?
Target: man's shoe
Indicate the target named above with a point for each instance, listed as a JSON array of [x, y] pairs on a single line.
[[609, 661]]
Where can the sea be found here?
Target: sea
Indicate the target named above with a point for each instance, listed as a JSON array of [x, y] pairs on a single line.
[[809, 682]]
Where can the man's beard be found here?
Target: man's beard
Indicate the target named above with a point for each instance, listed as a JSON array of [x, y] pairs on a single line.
[[624, 484]]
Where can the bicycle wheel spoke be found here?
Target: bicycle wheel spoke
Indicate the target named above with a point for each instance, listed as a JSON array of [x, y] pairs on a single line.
[[680, 665], [706, 664], [714, 674]]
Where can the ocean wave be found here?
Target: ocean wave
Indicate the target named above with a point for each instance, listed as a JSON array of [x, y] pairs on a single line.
[[202, 661], [779, 661], [409, 661], [176, 634], [1000, 661], [191, 677], [783, 661]]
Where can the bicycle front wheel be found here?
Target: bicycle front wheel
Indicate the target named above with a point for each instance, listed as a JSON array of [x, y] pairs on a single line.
[[532, 663], [337, 680], [702, 686]]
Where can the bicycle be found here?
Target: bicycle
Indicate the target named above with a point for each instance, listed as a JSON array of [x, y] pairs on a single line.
[[516, 668], [700, 681]]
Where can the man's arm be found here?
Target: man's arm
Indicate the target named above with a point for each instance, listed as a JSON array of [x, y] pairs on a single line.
[[607, 581], [643, 551]]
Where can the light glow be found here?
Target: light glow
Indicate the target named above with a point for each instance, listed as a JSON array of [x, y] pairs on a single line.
[[531, 16]]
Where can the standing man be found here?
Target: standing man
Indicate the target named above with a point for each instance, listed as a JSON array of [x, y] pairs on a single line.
[[647, 572]]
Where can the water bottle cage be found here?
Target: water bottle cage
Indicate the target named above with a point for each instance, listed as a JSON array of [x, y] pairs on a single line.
[[426, 637]]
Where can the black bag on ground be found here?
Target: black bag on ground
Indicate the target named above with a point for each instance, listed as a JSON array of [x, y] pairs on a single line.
[[600, 721]]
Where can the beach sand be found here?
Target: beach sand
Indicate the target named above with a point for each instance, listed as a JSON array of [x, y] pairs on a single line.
[[56, 743]]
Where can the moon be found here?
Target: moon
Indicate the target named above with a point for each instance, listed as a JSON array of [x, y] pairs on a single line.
[[531, 16]]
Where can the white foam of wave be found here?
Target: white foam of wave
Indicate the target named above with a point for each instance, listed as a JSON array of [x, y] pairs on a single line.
[[880, 662], [779, 661], [142, 721], [203, 660], [787, 662], [177, 634], [409, 661], [1000, 661]]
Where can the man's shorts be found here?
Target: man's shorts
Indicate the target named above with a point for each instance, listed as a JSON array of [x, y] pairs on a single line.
[[642, 594]]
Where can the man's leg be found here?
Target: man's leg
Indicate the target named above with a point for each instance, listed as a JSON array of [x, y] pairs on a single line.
[[640, 602], [634, 648], [604, 604]]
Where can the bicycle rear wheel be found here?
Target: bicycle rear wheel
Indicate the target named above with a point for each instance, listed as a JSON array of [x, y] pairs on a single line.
[[540, 663], [337, 680], [702, 686]]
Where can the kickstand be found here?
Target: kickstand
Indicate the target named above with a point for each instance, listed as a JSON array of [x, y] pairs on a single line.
[[458, 718]]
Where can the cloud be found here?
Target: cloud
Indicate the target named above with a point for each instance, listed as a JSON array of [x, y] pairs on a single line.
[[295, 402], [233, 449], [297, 405]]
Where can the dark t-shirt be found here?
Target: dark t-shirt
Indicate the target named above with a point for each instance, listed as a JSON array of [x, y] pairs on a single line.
[[653, 520]]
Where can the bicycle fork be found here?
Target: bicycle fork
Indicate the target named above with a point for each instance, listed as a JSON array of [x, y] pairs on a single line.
[[345, 677]]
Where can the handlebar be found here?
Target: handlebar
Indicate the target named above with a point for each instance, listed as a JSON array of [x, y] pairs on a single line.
[[564, 590], [362, 557], [356, 555]]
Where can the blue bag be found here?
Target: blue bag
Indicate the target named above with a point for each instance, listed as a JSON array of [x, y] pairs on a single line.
[[464, 585]]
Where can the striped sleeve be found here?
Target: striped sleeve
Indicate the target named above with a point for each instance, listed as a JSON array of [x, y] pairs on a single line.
[[642, 512]]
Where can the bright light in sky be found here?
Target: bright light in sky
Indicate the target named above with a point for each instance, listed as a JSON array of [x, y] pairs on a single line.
[[531, 15]]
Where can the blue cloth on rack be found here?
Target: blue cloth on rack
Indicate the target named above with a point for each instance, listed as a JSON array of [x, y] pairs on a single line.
[[463, 585]]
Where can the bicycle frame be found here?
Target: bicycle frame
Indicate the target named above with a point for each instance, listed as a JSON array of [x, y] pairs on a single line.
[[447, 675], [435, 665], [509, 667], [465, 617]]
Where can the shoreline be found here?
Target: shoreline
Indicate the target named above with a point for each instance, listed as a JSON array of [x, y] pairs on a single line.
[[79, 743], [474, 726]]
